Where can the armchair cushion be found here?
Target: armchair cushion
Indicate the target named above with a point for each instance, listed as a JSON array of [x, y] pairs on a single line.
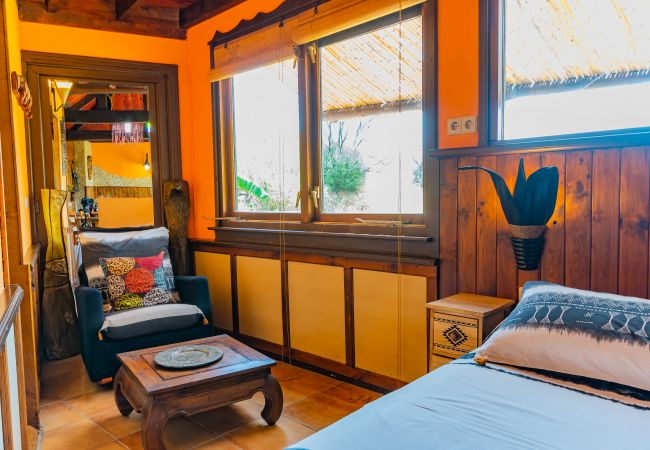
[[139, 322]]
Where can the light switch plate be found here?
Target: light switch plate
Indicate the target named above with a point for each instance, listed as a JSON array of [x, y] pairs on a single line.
[[468, 124], [454, 126]]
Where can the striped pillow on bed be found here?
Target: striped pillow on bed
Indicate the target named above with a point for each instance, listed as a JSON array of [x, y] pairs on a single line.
[[577, 333]]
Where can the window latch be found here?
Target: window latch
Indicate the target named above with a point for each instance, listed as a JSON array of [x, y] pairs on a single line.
[[296, 55], [298, 199], [315, 195], [312, 52]]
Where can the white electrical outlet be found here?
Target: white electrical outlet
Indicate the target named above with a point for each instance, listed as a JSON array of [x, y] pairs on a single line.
[[454, 126], [468, 124]]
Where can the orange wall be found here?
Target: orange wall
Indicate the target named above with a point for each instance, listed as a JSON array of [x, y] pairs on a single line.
[[458, 79], [124, 160], [20, 143]]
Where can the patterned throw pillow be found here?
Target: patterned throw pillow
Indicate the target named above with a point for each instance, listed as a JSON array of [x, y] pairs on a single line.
[[134, 282], [577, 333]]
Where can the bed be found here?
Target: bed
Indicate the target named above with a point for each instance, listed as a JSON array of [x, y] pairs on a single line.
[[488, 405]]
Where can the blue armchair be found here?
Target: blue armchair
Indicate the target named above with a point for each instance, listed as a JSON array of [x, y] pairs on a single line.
[[99, 356]]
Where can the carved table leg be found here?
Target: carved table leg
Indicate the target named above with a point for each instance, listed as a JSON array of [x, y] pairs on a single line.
[[154, 419], [122, 403], [273, 400]]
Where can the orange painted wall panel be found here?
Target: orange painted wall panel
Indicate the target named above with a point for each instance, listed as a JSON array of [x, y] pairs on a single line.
[[20, 142], [125, 160], [458, 72]]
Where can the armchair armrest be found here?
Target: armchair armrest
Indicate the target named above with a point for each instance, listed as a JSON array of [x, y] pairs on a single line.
[[90, 312], [195, 291]]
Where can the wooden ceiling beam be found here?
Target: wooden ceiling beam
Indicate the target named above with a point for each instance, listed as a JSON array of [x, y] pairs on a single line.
[[203, 10], [81, 89], [99, 116], [122, 7], [51, 5], [80, 104], [93, 135]]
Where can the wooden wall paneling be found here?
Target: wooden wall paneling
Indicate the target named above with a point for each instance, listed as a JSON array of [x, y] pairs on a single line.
[[317, 322], [216, 268], [390, 324], [467, 226], [506, 268], [633, 253], [578, 219], [606, 172], [486, 229], [552, 264], [448, 227], [259, 298], [532, 162]]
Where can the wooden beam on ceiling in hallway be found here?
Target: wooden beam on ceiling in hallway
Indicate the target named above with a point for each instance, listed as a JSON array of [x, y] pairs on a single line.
[[122, 7], [100, 116], [92, 135], [202, 10], [51, 5]]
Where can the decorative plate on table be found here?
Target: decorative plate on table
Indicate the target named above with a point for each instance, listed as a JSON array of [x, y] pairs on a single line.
[[188, 357]]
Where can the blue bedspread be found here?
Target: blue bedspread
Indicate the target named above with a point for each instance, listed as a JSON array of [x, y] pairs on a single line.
[[465, 406]]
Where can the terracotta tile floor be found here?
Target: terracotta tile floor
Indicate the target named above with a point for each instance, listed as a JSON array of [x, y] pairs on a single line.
[[78, 414]]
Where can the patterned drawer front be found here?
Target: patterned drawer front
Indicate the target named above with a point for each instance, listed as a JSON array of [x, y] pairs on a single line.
[[454, 336]]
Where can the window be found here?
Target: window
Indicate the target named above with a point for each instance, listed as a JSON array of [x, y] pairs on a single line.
[[561, 63], [266, 139], [330, 139], [371, 145]]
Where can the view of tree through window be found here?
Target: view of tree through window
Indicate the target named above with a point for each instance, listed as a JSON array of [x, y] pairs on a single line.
[[371, 146], [563, 62], [267, 153]]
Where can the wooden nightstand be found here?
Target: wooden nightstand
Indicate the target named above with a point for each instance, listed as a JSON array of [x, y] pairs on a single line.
[[460, 323]]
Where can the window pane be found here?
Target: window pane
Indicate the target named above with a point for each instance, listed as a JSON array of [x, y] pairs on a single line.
[[371, 148], [575, 67], [267, 156]]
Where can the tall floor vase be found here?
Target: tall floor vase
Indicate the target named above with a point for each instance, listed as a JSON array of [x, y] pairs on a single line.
[[176, 204], [59, 318]]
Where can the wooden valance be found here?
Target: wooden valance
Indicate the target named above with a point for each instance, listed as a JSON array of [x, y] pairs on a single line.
[[276, 42]]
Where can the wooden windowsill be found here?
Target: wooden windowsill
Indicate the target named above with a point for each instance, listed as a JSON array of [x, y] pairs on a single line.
[[10, 300], [412, 249]]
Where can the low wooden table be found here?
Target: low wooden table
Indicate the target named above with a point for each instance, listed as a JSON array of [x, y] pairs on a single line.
[[161, 394]]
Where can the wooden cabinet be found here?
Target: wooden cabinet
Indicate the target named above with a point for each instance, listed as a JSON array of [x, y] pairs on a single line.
[[461, 322]]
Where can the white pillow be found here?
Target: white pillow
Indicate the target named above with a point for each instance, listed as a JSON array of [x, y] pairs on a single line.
[[575, 332]]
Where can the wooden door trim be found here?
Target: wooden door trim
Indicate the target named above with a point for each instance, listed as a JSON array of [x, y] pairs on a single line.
[[164, 106]]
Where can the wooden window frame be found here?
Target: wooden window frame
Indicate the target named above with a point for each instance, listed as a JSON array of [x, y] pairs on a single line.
[[491, 87], [310, 218]]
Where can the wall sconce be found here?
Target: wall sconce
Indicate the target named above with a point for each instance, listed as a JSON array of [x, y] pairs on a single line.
[[146, 164], [63, 88]]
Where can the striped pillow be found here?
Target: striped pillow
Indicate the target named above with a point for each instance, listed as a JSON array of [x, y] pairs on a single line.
[[577, 333]]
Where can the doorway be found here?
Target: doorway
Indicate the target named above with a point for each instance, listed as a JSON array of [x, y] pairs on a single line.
[[118, 125]]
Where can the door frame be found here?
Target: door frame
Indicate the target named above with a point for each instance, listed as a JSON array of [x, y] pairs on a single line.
[[162, 80]]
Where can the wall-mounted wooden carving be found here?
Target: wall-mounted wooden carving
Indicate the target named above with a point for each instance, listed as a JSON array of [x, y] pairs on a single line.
[[21, 92]]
